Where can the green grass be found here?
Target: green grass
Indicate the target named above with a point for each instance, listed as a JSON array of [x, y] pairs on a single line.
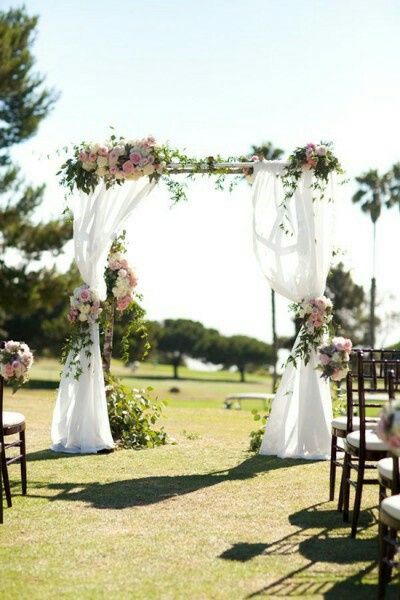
[[202, 519]]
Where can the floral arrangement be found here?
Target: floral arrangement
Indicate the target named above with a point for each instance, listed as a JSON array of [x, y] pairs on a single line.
[[316, 315], [316, 157], [85, 310], [121, 280], [388, 428], [84, 306], [334, 358], [119, 160], [15, 361]]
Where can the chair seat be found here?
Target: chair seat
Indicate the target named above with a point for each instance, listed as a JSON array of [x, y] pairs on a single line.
[[385, 467], [372, 442], [391, 506], [341, 423], [12, 419]]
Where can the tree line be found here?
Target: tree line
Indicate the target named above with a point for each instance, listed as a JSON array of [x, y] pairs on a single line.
[[173, 340]]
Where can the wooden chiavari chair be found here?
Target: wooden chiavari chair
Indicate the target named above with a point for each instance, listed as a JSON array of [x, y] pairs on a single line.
[[363, 449], [11, 424]]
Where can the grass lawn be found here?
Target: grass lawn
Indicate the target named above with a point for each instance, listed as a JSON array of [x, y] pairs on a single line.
[[203, 519]]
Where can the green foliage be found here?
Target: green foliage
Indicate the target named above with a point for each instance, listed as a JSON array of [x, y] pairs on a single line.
[[373, 193], [179, 338], [350, 317], [321, 165], [256, 436], [23, 100], [133, 415], [38, 294]]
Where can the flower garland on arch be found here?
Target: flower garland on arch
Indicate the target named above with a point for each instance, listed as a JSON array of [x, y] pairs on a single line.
[[120, 160]]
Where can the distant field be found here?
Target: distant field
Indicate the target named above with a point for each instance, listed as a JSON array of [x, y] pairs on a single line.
[[196, 388]]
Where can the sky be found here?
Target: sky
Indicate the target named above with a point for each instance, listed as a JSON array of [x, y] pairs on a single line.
[[215, 77]]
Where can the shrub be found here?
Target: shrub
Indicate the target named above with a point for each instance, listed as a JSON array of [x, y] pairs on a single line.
[[257, 435], [133, 415]]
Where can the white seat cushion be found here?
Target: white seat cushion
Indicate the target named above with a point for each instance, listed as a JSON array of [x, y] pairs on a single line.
[[391, 506], [341, 423], [10, 419], [385, 467], [372, 442]]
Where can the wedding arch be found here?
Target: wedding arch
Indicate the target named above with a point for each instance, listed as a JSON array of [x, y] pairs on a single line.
[[293, 204]]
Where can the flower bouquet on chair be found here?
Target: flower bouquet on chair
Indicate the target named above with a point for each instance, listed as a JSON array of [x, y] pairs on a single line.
[[334, 358], [389, 427], [15, 361]]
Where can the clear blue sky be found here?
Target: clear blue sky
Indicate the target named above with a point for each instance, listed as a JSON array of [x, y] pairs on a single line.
[[216, 76]]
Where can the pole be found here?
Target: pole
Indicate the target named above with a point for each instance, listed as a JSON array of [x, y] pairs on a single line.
[[373, 292], [108, 340], [274, 341]]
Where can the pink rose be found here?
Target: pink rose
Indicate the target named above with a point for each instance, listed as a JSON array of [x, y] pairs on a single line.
[[92, 157], [320, 150], [128, 167], [342, 344], [8, 371], [113, 169], [103, 151], [338, 374], [84, 295], [311, 146], [135, 157], [132, 279], [123, 303], [83, 156], [113, 156], [324, 359]]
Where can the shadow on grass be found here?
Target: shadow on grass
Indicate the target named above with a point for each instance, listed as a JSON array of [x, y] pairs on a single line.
[[41, 384], [318, 542], [152, 490]]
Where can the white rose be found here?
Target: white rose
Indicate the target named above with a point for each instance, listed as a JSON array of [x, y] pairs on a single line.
[[88, 166], [82, 317], [94, 148], [336, 357], [85, 308], [102, 161], [148, 169]]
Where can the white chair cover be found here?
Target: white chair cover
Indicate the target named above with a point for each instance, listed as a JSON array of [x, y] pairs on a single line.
[[296, 264], [80, 419]]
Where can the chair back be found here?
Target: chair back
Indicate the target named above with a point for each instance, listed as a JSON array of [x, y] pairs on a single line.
[[1, 404], [374, 383]]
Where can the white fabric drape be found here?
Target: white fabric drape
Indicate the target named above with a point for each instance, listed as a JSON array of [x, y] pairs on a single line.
[[294, 249], [80, 419]]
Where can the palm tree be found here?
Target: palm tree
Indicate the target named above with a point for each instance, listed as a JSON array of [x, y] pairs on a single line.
[[267, 151], [373, 194]]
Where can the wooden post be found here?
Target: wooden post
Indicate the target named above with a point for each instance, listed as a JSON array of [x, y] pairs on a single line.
[[108, 340], [274, 341]]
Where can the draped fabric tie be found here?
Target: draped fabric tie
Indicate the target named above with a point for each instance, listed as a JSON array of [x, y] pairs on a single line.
[[80, 420], [295, 256]]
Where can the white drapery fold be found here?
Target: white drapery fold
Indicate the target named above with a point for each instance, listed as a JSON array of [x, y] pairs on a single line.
[[80, 419], [293, 244]]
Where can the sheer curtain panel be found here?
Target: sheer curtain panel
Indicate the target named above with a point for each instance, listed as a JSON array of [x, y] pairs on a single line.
[[80, 420], [293, 244]]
